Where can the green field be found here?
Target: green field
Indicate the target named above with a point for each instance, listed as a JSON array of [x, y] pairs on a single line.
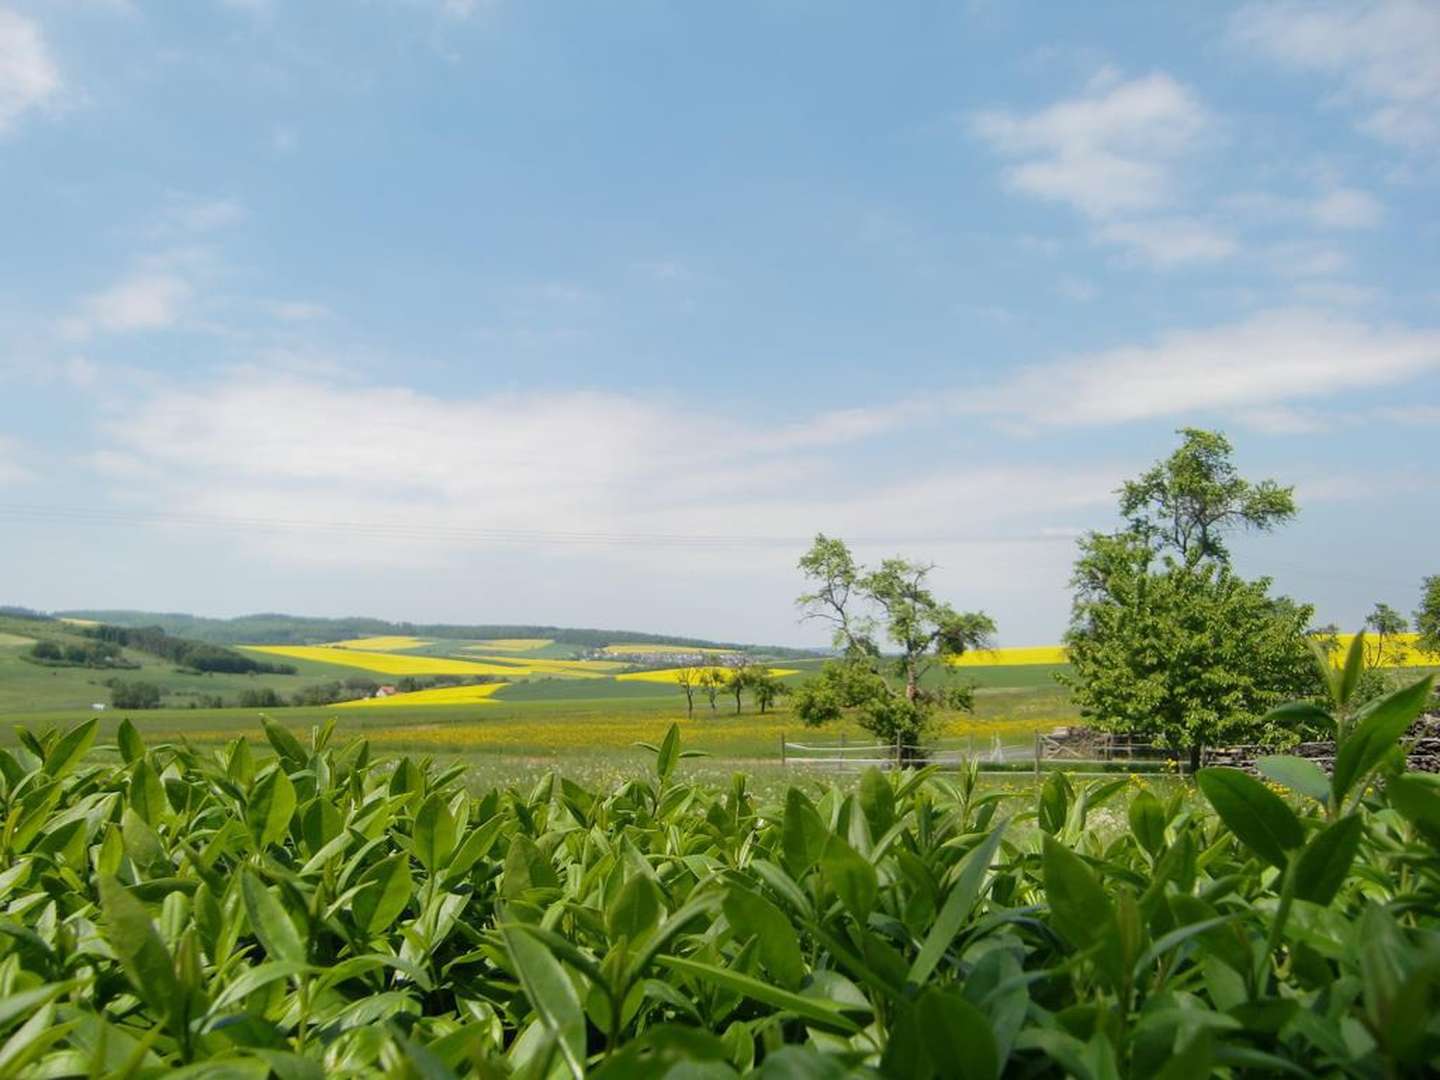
[[587, 726]]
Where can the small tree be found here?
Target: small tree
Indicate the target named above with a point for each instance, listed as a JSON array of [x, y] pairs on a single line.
[[134, 695], [1383, 647], [894, 598], [688, 679], [765, 687], [738, 678], [712, 681], [1427, 617]]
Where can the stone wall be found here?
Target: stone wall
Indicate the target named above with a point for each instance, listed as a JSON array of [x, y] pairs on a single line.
[[1422, 744]]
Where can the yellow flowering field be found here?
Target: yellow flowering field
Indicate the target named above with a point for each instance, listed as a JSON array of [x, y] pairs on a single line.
[[672, 675], [398, 663], [510, 644], [1402, 654], [1015, 655], [439, 695], [384, 663], [384, 643]]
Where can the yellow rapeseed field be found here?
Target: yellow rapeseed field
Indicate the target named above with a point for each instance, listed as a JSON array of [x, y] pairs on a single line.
[[1402, 653], [672, 675], [390, 643], [398, 663], [385, 663], [439, 695], [509, 644], [1016, 655], [1055, 654]]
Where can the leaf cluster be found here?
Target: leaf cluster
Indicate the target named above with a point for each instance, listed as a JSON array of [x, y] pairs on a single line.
[[314, 912]]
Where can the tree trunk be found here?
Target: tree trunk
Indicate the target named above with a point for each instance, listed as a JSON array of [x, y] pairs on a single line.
[[1195, 751]]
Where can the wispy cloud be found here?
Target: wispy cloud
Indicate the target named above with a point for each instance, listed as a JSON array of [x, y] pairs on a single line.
[[1111, 150], [1115, 155], [29, 77], [576, 467], [143, 300], [1271, 359], [1385, 55]]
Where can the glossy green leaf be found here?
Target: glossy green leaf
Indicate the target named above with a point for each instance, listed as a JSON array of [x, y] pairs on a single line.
[[269, 808], [1324, 863], [851, 876], [71, 747], [1296, 773], [434, 833], [384, 893], [751, 915], [958, 905], [270, 922], [1258, 817], [137, 945], [1375, 734], [1078, 904], [822, 1013], [551, 994], [1147, 821]]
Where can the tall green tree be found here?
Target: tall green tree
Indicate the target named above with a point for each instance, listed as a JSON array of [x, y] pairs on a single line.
[[1165, 639], [1189, 501], [1427, 617], [888, 693]]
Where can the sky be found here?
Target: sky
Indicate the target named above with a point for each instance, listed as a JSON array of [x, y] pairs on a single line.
[[584, 314]]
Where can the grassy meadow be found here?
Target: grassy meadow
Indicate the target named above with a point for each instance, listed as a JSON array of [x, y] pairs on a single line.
[[539, 709]]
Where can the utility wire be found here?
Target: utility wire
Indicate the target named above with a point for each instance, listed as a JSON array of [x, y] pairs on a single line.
[[420, 530]]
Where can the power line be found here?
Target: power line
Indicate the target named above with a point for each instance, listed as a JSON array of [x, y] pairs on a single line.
[[420, 530]]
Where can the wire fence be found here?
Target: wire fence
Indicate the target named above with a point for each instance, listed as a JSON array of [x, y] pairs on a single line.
[[1062, 745]]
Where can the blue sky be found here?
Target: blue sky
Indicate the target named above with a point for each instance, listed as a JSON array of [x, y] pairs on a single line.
[[591, 314]]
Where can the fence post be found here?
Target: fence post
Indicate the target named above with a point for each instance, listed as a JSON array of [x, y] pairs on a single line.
[[1037, 757], [782, 748]]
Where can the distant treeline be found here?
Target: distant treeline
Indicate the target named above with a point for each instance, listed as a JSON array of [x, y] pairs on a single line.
[[275, 629], [196, 655]]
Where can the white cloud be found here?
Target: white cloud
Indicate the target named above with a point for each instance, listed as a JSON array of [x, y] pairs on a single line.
[[1112, 150], [1282, 420], [29, 78], [1346, 208], [1114, 154], [569, 471], [1384, 53], [146, 300], [1270, 359], [1167, 242]]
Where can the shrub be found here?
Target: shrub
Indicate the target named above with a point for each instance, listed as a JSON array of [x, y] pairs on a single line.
[[134, 695]]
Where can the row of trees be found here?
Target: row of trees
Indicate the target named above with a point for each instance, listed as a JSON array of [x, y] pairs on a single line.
[[1165, 637], [737, 679], [96, 654], [195, 655]]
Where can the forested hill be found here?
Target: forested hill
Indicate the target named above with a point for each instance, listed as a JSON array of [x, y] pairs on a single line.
[[279, 629]]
